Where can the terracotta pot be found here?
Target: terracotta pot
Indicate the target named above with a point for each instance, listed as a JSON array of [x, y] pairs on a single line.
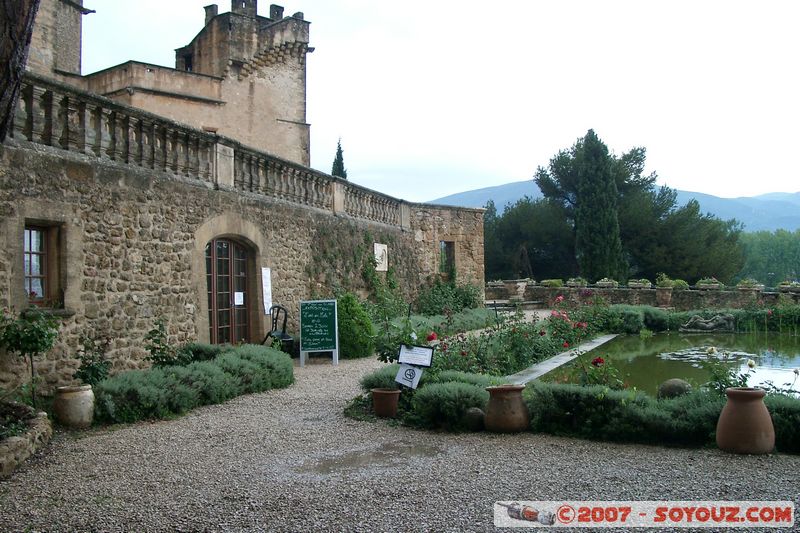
[[74, 406], [384, 402], [745, 425], [506, 412]]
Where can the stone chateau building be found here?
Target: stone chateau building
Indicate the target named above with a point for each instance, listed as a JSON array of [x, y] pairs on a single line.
[[143, 192]]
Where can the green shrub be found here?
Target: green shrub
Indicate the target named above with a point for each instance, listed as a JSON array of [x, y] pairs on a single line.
[[200, 351], [166, 391], [480, 380], [442, 405], [355, 328], [553, 283], [277, 364], [680, 285], [785, 411], [446, 296], [383, 378], [602, 414], [688, 420], [655, 319]]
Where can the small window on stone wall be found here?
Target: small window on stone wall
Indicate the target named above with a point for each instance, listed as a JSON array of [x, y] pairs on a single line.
[[447, 258], [41, 272]]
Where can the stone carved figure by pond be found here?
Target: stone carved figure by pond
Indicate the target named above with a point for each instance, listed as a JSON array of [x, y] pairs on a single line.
[[716, 323]]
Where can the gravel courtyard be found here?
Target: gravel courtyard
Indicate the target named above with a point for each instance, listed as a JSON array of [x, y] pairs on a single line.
[[288, 460]]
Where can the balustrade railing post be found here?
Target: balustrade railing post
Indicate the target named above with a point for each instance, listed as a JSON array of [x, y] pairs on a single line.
[[147, 142], [134, 141], [223, 165], [107, 120], [159, 148], [23, 117], [41, 125]]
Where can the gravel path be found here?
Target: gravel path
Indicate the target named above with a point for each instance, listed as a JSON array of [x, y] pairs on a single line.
[[288, 460]]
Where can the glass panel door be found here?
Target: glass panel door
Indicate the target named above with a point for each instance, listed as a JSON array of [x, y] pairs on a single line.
[[226, 279]]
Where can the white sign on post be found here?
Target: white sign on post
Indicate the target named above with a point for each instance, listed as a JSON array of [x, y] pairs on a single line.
[[408, 376], [266, 287], [416, 355]]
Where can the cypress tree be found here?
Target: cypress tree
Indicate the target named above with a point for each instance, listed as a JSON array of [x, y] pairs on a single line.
[[597, 243], [338, 162]]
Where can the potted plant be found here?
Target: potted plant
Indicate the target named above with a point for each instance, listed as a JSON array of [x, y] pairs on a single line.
[[680, 285], [385, 402], [577, 282], [643, 283], [789, 286], [30, 334], [664, 286], [607, 283], [552, 283], [711, 283], [73, 406], [749, 284]]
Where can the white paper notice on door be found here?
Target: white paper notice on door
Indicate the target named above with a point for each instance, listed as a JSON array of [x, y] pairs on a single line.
[[238, 298], [266, 284]]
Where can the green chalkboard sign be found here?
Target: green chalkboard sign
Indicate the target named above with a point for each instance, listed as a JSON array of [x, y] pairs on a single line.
[[319, 326]]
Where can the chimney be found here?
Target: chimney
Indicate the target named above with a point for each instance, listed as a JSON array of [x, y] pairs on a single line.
[[211, 12], [275, 12], [247, 8]]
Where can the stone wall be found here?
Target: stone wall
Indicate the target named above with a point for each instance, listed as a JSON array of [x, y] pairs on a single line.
[[685, 300], [135, 208], [16, 450]]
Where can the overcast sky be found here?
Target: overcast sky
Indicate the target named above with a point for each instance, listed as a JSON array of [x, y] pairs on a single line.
[[436, 97]]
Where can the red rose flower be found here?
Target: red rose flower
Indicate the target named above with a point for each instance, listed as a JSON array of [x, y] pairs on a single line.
[[432, 336], [542, 333], [769, 312], [463, 352], [559, 298], [597, 361], [565, 345]]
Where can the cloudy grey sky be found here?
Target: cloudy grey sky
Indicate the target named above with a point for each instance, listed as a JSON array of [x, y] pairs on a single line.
[[441, 96]]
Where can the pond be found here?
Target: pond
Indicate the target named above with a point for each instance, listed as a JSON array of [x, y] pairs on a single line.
[[645, 363]]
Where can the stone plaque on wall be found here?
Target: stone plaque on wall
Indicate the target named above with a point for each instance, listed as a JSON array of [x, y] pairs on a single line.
[[381, 257]]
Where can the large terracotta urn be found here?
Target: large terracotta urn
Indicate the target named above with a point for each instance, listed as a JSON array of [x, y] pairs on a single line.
[[384, 402], [506, 412], [74, 406], [745, 425]]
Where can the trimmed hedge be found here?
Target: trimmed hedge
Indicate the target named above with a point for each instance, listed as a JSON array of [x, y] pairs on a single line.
[[200, 351], [356, 335], [161, 392], [442, 405], [598, 413]]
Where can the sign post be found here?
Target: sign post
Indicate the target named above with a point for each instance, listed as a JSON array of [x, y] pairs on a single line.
[[319, 329], [413, 360]]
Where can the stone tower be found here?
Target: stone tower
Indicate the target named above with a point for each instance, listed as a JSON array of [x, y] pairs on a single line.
[[56, 42]]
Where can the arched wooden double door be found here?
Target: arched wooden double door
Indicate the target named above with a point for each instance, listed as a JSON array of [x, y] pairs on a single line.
[[227, 265]]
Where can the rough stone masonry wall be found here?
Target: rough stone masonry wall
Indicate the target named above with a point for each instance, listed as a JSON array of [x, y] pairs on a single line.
[[134, 242], [684, 300]]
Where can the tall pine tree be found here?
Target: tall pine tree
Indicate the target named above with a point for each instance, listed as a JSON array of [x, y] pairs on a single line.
[[338, 162], [598, 247]]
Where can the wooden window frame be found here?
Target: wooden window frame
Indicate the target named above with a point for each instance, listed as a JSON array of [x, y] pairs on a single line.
[[50, 265]]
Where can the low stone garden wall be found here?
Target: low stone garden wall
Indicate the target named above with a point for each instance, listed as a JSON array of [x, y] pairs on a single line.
[[681, 300], [15, 450]]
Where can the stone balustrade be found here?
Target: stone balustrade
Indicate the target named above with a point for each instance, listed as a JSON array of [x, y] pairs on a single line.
[[63, 117]]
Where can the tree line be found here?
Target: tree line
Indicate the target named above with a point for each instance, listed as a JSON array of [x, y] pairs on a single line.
[[601, 216]]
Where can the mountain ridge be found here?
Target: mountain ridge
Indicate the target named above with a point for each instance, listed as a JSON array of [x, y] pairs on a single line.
[[765, 212]]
